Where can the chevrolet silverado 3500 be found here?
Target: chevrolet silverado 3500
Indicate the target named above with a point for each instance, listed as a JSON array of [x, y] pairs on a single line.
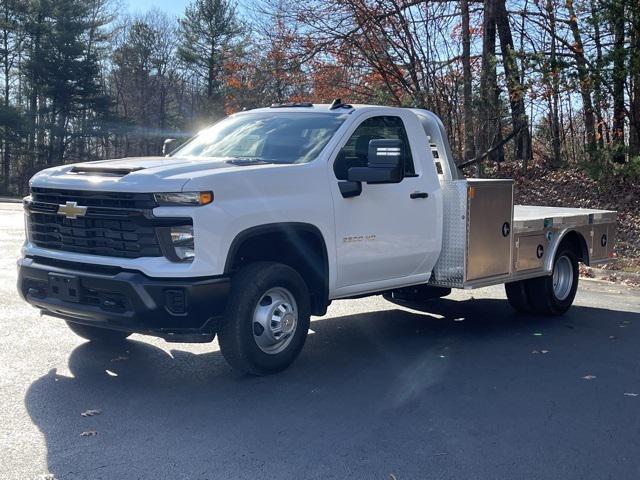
[[262, 220]]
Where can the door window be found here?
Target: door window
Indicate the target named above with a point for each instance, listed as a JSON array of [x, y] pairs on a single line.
[[354, 153]]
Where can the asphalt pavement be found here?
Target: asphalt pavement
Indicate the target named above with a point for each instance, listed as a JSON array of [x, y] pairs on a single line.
[[465, 390]]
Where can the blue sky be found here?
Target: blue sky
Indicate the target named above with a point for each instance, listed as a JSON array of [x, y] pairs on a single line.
[[174, 7]]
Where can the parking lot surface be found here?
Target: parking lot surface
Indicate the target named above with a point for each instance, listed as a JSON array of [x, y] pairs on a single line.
[[463, 389]]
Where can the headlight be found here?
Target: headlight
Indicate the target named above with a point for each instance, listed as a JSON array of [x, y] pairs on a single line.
[[182, 242], [183, 198]]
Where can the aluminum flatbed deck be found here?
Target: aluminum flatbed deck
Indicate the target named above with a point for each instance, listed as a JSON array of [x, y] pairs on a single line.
[[488, 240], [531, 217]]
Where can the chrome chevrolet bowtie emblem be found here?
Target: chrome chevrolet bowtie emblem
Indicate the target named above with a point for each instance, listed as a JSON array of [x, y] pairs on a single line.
[[72, 210]]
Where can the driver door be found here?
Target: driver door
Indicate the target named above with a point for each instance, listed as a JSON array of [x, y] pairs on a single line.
[[387, 233]]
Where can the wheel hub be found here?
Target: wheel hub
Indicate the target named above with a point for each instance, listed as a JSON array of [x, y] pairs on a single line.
[[275, 319], [288, 323], [562, 278]]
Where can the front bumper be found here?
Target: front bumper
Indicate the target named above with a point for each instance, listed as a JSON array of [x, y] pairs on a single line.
[[176, 309]]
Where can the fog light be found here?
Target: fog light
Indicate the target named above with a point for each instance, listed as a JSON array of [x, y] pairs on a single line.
[[182, 242], [175, 301]]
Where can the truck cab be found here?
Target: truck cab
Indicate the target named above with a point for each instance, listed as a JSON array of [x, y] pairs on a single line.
[[263, 219]]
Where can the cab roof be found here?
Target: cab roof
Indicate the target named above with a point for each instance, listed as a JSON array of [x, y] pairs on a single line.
[[318, 108]]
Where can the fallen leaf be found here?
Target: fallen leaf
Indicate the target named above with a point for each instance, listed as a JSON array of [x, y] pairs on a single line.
[[91, 413], [458, 319], [89, 433], [544, 351], [589, 377], [392, 477], [632, 394], [537, 334]]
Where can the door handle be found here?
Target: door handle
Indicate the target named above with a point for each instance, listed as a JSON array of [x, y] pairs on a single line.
[[419, 195]]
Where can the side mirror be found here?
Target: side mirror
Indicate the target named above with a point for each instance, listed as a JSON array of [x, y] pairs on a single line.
[[385, 163], [169, 145]]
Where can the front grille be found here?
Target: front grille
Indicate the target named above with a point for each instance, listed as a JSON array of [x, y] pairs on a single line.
[[115, 224], [100, 200]]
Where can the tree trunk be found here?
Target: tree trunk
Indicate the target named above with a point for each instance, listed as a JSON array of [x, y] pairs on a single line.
[[585, 81], [602, 130], [6, 159], [469, 147], [619, 76], [488, 85], [516, 91], [556, 159], [634, 75]]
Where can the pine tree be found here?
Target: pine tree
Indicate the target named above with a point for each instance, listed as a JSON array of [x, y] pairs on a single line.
[[209, 31], [63, 75], [12, 121]]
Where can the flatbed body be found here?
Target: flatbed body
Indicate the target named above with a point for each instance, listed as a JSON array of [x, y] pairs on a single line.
[[487, 240]]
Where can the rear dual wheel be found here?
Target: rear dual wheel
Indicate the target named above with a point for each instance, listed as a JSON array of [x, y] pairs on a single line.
[[548, 295]]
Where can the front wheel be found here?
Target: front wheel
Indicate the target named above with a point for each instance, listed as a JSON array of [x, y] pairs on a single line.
[[96, 334], [267, 318]]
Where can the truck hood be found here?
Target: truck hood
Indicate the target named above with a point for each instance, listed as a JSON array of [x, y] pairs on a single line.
[[140, 174]]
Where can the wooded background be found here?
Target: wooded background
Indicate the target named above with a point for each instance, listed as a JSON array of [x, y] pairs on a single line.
[[551, 82]]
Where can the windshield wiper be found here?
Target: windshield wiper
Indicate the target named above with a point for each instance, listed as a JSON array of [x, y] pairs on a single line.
[[241, 161]]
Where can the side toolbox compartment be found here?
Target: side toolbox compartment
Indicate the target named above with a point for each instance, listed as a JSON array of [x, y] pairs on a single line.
[[489, 228], [602, 237], [530, 252], [477, 236]]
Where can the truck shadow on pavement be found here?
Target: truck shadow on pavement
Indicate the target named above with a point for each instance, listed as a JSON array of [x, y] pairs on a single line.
[[375, 393]]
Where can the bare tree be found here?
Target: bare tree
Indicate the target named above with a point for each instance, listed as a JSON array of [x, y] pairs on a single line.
[[469, 145]]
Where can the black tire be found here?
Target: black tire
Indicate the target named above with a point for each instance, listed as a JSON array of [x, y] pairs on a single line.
[[517, 296], [541, 290], [97, 334], [236, 334]]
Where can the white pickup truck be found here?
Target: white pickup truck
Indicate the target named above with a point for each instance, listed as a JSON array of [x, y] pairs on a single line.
[[262, 220]]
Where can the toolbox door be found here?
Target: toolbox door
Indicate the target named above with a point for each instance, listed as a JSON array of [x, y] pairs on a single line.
[[489, 228]]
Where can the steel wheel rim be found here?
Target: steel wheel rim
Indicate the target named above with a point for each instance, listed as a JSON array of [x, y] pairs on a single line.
[[562, 278], [275, 320]]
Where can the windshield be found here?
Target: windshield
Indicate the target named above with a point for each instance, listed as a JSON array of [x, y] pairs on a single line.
[[270, 137]]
